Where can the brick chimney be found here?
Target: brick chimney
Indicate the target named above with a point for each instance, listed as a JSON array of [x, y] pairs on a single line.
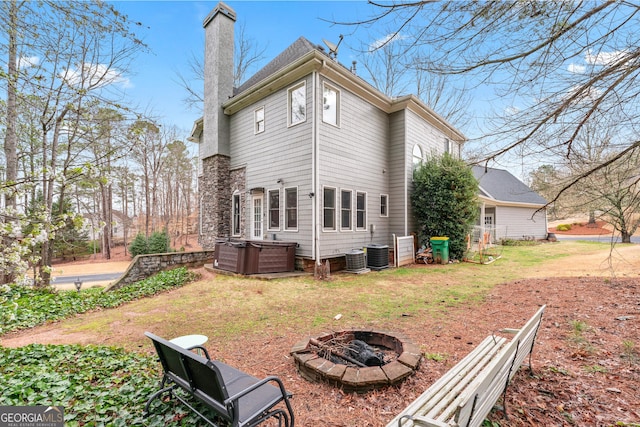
[[214, 184]]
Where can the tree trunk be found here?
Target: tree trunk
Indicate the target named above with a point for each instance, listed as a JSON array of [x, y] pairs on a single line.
[[626, 236], [106, 229], [11, 139], [147, 200]]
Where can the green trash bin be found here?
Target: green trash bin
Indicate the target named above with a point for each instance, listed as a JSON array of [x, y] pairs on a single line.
[[440, 249]]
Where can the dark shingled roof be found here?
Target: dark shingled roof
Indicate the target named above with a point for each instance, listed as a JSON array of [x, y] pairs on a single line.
[[502, 186], [298, 49]]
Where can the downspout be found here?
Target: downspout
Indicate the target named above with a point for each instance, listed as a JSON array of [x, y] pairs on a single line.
[[406, 178], [315, 175]]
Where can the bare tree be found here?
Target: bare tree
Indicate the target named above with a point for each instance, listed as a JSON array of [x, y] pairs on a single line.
[[555, 66], [145, 137], [247, 55], [105, 135], [393, 70], [615, 190], [385, 64], [10, 20], [72, 53], [177, 177], [612, 192]]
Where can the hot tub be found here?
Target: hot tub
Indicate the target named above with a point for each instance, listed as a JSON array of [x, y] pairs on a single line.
[[255, 256]]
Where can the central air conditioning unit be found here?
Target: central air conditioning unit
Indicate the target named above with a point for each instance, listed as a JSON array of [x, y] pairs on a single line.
[[355, 261], [377, 257]]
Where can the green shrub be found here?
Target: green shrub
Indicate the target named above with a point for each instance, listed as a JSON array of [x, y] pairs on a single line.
[[444, 200], [563, 227], [139, 246], [514, 242], [159, 242]]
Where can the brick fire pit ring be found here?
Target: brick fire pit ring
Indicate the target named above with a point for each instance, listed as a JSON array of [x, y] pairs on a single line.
[[316, 368]]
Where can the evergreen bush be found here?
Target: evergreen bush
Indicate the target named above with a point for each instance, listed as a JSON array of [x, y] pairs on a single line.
[[444, 201], [139, 245], [159, 242]]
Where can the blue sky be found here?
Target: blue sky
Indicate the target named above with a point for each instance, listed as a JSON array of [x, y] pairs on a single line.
[[175, 33]]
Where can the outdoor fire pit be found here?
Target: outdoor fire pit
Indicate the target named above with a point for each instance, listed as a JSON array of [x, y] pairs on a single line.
[[357, 360]]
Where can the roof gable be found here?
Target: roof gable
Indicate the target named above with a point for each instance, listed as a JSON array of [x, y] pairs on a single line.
[[298, 49], [500, 185]]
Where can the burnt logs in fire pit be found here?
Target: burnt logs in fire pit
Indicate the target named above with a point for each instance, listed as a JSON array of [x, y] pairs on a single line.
[[357, 360], [364, 353]]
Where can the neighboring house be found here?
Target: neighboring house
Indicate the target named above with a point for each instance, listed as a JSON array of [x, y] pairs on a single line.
[[94, 225], [510, 206], [306, 151]]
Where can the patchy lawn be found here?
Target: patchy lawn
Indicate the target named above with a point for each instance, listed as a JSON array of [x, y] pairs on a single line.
[[586, 360]]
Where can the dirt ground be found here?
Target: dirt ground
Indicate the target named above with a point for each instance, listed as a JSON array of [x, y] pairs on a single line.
[[586, 360], [582, 228]]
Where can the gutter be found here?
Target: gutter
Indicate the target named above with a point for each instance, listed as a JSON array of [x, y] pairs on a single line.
[[315, 173], [513, 204], [317, 61], [299, 68]]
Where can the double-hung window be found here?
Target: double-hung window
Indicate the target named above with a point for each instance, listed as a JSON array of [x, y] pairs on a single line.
[[384, 205], [297, 104], [274, 209], [291, 208], [361, 211], [329, 208], [345, 209], [331, 105]]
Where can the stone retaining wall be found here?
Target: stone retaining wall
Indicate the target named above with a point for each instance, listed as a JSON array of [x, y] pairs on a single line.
[[144, 266]]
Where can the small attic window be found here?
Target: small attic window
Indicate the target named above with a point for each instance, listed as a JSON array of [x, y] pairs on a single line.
[[259, 120]]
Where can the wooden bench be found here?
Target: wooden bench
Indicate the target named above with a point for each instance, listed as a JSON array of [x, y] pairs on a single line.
[[237, 398], [468, 391]]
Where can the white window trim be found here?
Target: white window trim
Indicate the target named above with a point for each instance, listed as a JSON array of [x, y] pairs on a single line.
[[351, 211], [284, 225], [414, 157], [335, 210], [387, 214], [289, 103], [366, 211], [233, 218], [255, 121], [338, 101], [269, 210]]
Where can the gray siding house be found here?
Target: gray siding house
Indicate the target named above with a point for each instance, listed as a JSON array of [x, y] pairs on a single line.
[[509, 206], [306, 151]]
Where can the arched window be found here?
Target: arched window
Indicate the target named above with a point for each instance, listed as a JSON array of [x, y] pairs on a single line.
[[417, 156]]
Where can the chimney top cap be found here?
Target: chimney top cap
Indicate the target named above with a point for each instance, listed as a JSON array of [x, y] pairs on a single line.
[[220, 8]]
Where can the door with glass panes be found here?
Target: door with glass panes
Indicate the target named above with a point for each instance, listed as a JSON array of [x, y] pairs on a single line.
[[256, 217]]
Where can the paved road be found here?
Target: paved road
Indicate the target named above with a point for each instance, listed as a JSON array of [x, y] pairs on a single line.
[[605, 238], [86, 278]]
